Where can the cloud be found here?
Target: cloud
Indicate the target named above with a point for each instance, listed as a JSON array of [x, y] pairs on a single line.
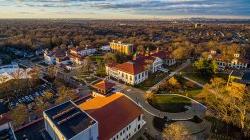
[[139, 7]]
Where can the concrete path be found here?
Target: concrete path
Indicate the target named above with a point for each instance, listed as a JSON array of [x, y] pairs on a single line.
[[156, 86]]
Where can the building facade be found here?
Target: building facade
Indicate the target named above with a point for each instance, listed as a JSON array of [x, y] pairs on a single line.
[[122, 48], [67, 122], [235, 63], [137, 70]]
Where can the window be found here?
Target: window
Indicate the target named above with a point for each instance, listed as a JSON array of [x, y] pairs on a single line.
[[139, 118], [120, 133], [139, 126]]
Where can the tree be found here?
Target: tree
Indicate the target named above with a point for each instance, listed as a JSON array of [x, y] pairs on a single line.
[[175, 131], [87, 62], [230, 103], [206, 67], [140, 49], [65, 94], [19, 115], [40, 106], [110, 58], [52, 71]]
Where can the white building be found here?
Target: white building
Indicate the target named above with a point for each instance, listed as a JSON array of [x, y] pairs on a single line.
[[137, 70], [6, 129], [68, 122], [235, 63], [114, 117], [82, 51]]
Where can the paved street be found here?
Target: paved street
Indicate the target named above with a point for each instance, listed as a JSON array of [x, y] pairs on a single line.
[[138, 96]]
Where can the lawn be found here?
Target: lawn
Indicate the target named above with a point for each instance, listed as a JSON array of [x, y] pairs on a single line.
[[170, 103], [152, 80]]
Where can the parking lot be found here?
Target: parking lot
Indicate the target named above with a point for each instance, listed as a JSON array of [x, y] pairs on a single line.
[[32, 95]]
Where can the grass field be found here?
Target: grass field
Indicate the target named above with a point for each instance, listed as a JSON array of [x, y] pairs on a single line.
[[152, 80], [170, 103]]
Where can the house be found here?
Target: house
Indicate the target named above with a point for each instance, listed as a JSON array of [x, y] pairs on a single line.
[[102, 88], [121, 48], [6, 129], [236, 62], [118, 117], [68, 122], [56, 56], [66, 56], [82, 51], [137, 70], [240, 77], [105, 48]]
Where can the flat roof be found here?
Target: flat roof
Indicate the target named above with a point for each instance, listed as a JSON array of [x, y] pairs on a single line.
[[69, 119]]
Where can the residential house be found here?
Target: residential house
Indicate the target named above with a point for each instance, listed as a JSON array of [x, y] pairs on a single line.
[[237, 62]]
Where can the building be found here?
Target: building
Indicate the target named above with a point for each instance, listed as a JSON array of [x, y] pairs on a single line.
[[82, 51], [102, 88], [68, 122], [138, 69], [118, 117], [56, 56], [113, 117], [6, 129], [239, 77], [105, 48], [121, 48], [61, 56], [236, 62]]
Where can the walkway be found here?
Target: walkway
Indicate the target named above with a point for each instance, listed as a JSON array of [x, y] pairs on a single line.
[[156, 86]]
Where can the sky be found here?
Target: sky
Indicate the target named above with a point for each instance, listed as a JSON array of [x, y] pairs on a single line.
[[124, 9]]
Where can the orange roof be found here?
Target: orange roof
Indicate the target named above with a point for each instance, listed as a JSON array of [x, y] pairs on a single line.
[[113, 113], [104, 85], [131, 67]]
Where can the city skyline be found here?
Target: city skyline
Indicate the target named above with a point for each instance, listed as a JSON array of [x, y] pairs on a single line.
[[129, 9]]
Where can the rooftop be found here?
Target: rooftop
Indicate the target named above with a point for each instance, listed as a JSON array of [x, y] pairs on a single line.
[[113, 113], [104, 85], [130, 67], [69, 119]]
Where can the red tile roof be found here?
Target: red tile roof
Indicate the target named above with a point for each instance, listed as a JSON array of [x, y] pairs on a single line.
[[104, 85], [113, 113], [131, 67]]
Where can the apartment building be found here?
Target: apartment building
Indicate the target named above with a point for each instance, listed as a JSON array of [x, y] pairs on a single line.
[[122, 48]]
